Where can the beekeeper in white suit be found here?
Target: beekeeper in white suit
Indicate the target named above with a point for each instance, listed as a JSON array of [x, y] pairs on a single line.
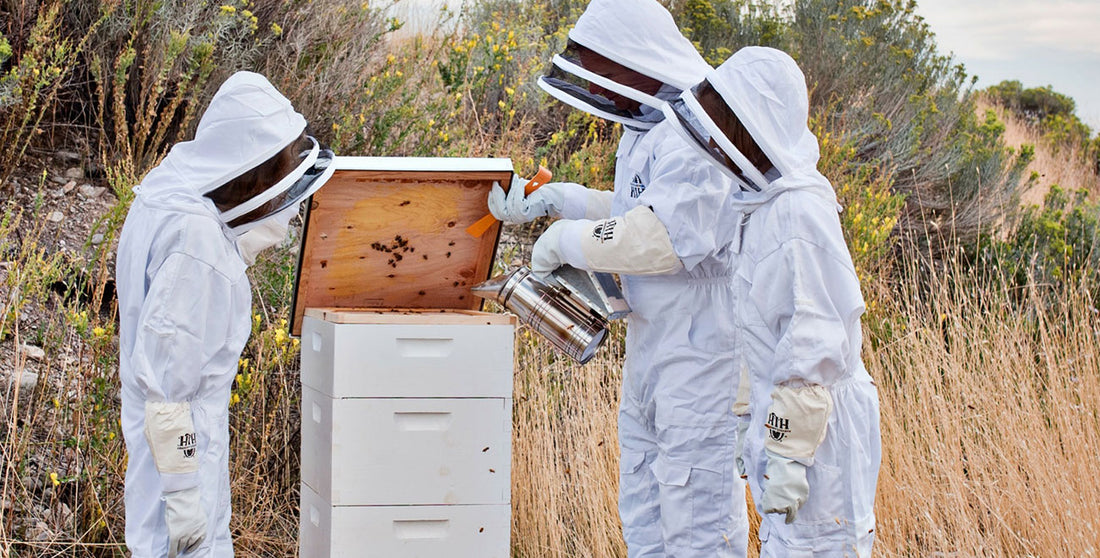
[[662, 230], [811, 449], [198, 220]]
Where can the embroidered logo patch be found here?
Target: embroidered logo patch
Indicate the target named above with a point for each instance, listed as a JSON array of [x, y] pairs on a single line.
[[636, 186], [187, 445], [778, 427], [604, 230]]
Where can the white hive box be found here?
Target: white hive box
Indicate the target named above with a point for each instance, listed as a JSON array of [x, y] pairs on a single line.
[[406, 451], [406, 433], [403, 531], [443, 354]]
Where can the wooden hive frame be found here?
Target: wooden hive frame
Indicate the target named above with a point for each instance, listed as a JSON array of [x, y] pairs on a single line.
[[390, 232]]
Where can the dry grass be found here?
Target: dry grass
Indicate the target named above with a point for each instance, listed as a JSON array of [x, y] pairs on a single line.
[[565, 453], [990, 424]]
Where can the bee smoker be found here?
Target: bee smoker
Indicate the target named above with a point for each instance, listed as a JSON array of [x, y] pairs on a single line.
[[571, 309]]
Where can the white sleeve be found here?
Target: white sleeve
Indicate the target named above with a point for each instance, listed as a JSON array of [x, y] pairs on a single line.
[[184, 320], [585, 203], [689, 196], [810, 300]]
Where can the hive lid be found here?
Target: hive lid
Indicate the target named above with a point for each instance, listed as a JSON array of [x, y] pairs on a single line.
[[390, 232]]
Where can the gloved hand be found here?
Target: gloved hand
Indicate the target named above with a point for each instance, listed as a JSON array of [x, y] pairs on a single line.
[[546, 254], [517, 207], [739, 447], [785, 486], [186, 520], [798, 420]]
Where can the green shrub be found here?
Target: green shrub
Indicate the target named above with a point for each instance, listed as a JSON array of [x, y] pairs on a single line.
[[1052, 245]]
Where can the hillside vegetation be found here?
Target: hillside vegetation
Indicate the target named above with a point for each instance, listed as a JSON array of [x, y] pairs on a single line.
[[971, 217]]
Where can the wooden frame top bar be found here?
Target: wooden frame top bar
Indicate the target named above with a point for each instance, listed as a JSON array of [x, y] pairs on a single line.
[[423, 164], [409, 316]]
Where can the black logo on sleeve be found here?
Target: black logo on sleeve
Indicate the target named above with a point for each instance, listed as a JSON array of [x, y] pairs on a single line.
[[636, 187], [187, 445], [604, 230], [778, 427]]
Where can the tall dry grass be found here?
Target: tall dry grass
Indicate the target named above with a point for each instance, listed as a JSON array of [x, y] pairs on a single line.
[[565, 453], [991, 421], [990, 428]]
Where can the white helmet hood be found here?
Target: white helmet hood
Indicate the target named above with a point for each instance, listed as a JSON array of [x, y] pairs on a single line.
[[247, 122], [767, 92], [640, 35]]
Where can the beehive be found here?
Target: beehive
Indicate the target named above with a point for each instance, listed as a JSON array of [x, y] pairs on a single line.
[[406, 386]]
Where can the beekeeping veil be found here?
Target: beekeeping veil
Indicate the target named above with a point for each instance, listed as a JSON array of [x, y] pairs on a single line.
[[638, 35], [247, 122], [764, 91]]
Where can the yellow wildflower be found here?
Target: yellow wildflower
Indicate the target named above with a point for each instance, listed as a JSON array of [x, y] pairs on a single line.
[[53, 477], [227, 9], [276, 29]]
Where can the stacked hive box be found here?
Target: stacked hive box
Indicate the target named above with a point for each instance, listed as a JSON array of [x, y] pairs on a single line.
[[406, 433]]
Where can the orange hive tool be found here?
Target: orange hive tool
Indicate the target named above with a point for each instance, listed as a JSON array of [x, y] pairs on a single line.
[[478, 228]]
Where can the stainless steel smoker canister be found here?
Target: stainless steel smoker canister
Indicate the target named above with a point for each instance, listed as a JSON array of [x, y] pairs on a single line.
[[551, 310]]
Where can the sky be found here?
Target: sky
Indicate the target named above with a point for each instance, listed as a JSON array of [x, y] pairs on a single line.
[[1037, 42]]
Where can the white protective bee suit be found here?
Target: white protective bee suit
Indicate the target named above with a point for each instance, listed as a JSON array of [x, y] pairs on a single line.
[[812, 447], [664, 233], [184, 312]]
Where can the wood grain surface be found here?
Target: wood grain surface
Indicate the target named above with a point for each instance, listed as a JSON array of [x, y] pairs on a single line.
[[396, 239]]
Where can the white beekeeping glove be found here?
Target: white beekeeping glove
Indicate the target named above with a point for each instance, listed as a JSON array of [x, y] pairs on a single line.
[[546, 254], [739, 446], [518, 207], [185, 519], [170, 431], [797, 423], [741, 409]]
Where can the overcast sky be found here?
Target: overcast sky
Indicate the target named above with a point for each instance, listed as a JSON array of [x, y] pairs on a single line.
[[1038, 42]]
